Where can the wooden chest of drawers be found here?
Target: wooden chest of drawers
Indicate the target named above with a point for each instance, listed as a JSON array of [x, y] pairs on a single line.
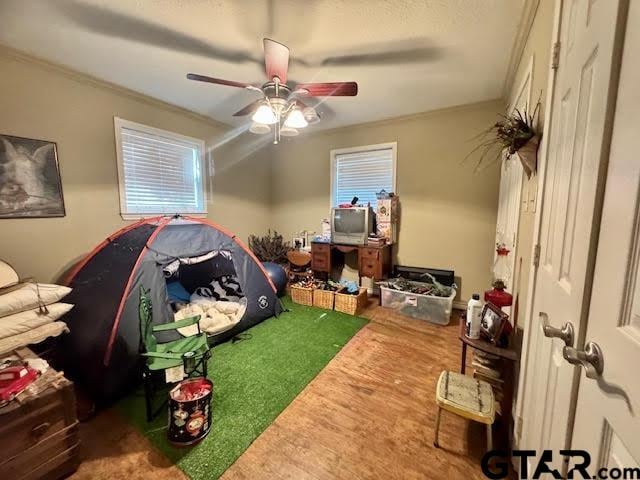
[[39, 435], [321, 257]]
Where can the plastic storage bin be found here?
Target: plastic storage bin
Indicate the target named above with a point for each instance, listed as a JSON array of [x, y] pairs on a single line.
[[423, 307]]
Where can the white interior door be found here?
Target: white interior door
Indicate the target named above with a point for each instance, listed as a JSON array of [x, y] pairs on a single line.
[[511, 179], [574, 169], [608, 410], [509, 211]]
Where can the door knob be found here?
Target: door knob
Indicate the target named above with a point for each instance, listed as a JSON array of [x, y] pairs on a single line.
[[590, 358], [566, 333]]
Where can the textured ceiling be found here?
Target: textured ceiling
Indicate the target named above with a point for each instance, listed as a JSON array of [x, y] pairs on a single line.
[[408, 56]]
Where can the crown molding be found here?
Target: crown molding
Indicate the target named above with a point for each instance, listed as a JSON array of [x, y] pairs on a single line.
[[527, 17], [99, 83], [410, 117], [87, 79]]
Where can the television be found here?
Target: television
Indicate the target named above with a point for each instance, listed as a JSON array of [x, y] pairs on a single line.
[[352, 226]]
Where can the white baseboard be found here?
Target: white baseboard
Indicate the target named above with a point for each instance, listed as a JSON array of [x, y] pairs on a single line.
[[460, 305]]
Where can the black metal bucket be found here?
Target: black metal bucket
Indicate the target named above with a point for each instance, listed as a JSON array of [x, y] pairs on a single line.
[[190, 411]]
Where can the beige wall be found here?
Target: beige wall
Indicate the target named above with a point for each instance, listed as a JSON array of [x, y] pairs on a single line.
[[538, 45], [448, 211], [44, 102]]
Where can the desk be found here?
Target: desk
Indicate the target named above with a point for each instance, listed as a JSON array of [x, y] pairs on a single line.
[[373, 262]]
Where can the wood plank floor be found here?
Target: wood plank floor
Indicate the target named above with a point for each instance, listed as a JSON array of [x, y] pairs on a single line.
[[369, 414]]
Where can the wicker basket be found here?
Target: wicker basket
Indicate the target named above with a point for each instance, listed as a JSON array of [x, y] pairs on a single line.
[[324, 298], [301, 295], [351, 304]]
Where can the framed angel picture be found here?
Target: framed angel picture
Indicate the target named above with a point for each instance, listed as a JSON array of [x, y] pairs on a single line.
[[30, 184]]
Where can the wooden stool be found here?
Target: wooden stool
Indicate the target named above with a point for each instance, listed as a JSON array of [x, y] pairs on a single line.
[[467, 397]]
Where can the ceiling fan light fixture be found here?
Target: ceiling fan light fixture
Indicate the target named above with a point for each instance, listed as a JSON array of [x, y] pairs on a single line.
[[296, 119], [264, 115], [259, 128], [310, 115], [288, 132]]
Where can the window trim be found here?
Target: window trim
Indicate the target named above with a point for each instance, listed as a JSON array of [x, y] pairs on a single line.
[[364, 148], [118, 124]]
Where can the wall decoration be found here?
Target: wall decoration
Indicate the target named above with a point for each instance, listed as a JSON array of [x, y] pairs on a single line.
[[516, 133], [30, 185]]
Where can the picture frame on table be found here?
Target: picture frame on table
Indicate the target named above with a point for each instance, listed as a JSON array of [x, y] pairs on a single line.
[[492, 322]]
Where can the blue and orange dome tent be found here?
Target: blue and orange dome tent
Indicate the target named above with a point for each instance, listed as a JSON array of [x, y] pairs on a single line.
[[101, 352]]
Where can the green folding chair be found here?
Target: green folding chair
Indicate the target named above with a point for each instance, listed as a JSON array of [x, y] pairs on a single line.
[[192, 352]]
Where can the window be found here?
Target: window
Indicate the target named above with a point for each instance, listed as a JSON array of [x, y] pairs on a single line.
[[159, 172], [362, 172]]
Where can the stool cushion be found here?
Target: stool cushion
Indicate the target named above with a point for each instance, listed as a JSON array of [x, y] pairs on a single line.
[[466, 396]]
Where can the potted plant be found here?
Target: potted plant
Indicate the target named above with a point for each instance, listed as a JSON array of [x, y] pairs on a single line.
[[515, 133], [270, 247]]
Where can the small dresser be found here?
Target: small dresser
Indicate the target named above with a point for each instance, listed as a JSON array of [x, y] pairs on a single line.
[[39, 432]]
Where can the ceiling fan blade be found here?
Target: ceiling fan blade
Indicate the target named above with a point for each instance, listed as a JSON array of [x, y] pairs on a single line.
[[276, 59], [204, 78], [335, 89], [385, 58], [105, 21], [248, 109]]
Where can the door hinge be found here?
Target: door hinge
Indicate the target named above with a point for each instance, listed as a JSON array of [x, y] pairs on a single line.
[[536, 255], [555, 56]]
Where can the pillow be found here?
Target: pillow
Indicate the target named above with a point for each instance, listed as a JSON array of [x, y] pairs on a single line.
[[225, 288], [26, 297], [177, 292], [36, 335], [24, 321], [8, 276]]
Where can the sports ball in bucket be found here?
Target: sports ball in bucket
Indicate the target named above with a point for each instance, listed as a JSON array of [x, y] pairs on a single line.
[[190, 411]]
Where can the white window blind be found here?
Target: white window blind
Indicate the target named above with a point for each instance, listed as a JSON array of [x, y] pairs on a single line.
[[362, 172], [160, 172]]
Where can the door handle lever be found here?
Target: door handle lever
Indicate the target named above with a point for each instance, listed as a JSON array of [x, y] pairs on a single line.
[[566, 333], [590, 358]]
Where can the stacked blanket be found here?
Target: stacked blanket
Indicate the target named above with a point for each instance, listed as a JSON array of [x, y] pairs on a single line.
[[215, 316], [29, 313]]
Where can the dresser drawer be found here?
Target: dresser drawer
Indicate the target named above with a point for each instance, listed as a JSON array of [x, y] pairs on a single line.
[[25, 431], [369, 253], [320, 262], [47, 455], [369, 268], [320, 248]]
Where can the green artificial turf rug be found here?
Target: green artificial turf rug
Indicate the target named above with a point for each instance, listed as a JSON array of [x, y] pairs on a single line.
[[253, 381]]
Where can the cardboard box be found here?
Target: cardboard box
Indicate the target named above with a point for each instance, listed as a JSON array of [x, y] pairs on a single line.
[[387, 210], [387, 230]]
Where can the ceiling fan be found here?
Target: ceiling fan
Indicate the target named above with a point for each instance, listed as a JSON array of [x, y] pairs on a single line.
[[280, 104]]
